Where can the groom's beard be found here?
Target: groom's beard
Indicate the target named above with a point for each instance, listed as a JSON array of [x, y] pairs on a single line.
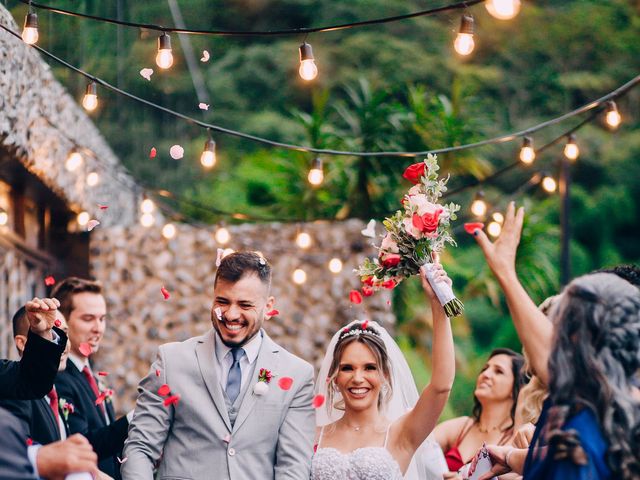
[[236, 342]]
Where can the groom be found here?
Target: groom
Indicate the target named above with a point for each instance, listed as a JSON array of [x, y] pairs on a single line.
[[219, 427]]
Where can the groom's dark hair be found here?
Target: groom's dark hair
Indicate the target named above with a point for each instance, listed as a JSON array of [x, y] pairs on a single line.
[[238, 264]]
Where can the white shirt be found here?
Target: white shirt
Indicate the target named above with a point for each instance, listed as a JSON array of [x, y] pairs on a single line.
[[224, 359], [80, 363]]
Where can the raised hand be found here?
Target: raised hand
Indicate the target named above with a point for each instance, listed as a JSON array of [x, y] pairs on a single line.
[[440, 276], [501, 254], [41, 313]]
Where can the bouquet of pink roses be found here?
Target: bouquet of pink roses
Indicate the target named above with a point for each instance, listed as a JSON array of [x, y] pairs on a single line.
[[413, 235]]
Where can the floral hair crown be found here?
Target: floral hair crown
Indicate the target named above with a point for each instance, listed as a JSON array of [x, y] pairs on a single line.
[[362, 329]]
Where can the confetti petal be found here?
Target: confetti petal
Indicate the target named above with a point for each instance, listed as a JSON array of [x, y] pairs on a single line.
[[85, 349], [164, 390], [367, 291], [103, 374], [365, 324], [102, 207], [122, 460], [355, 297], [57, 323], [146, 73], [226, 438], [157, 372], [176, 152], [165, 293], [219, 257], [273, 313], [203, 106], [472, 227], [29, 442], [205, 56], [172, 400], [218, 312], [49, 281], [318, 401], [91, 224], [153, 152], [101, 398], [285, 383], [370, 231]]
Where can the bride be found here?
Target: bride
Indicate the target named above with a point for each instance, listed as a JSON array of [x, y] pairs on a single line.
[[374, 423]]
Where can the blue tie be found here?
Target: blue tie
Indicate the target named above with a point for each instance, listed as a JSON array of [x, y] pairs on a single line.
[[234, 380]]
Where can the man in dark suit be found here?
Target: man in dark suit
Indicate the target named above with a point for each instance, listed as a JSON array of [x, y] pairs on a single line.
[[84, 307]]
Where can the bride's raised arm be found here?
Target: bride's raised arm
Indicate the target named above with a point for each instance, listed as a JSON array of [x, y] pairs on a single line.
[[415, 426]]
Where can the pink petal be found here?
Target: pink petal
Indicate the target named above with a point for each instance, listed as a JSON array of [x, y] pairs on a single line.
[[226, 438], [218, 312], [203, 106], [273, 313], [318, 401], [146, 73], [85, 349], [355, 297], [103, 374], [102, 207], [48, 281], [285, 383], [153, 152], [365, 324], [122, 460], [165, 293], [101, 398], [164, 390], [91, 224], [205, 56], [176, 152], [172, 400]]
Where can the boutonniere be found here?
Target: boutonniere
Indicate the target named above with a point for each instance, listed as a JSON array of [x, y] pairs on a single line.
[[66, 408], [105, 395], [262, 387]]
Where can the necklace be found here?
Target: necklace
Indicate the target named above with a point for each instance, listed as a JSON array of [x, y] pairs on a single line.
[[495, 428]]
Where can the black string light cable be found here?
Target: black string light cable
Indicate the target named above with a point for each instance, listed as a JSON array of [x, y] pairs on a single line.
[[263, 33], [504, 138]]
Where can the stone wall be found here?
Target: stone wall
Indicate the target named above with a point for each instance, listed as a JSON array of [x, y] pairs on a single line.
[[40, 123], [134, 263]]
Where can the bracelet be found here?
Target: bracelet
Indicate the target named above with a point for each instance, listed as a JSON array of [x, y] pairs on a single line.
[[508, 456]]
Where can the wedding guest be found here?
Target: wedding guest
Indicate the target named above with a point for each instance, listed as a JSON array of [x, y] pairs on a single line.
[[529, 406], [84, 307], [493, 417], [370, 429]]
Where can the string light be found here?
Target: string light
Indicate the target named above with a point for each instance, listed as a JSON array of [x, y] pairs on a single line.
[[479, 206], [30, 30], [4, 217], [147, 220], [299, 276], [527, 153], [147, 206], [169, 231], [303, 240], [222, 236], [308, 69], [316, 173], [164, 58], [208, 157], [93, 179], [335, 265], [549, 183], [503, 9], [571, 150], [613, 117], [90, 100], [464, 43], [74, 160], [498, 217], [83, 218], [494, 229]]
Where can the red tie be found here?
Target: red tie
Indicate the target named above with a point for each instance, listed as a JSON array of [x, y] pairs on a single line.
[[53, 402], [92, 383]]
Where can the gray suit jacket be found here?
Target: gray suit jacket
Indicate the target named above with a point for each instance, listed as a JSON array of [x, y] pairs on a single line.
[[272, 437]]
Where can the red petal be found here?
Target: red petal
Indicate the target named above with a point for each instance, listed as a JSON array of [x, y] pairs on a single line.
[[103, 374], [57, 322], [29, 442], [318, 401], [273, 313], [165, 293], [102, 207], [367, 291], [85, 349], [49, 281], [365, 324], [355, 297], [101, 398], [285, 383], [172, 400], [157, 372], [153, 152], [164, 390], [472, 227]]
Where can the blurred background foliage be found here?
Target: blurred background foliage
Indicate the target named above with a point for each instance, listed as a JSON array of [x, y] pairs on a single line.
[[387, 87]]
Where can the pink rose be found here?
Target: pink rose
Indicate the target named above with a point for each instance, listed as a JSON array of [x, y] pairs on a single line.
[[389, 245]]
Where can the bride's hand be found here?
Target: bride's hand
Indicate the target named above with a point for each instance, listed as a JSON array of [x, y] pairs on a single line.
[[439, 275]]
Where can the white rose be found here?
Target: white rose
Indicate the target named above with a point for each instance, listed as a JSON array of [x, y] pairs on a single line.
[[411, 230], [420, 204]]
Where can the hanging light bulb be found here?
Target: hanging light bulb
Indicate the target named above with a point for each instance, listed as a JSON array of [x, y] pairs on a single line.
[[335, 265], [464, 43], [316, 173], [308, 69], [147, 220], [571, 150], [4, 217], [90, 100], [74, 160], [498, 217], [503, 9], [613, 117], [494, 229], [222, 236], [208, 157], [30, 30], [303, 240], [479, 206], [93, 179], [147, 206], [549, 183], [164, 58], [83, 218], [169, 231], [527, 153], [299, 276]]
